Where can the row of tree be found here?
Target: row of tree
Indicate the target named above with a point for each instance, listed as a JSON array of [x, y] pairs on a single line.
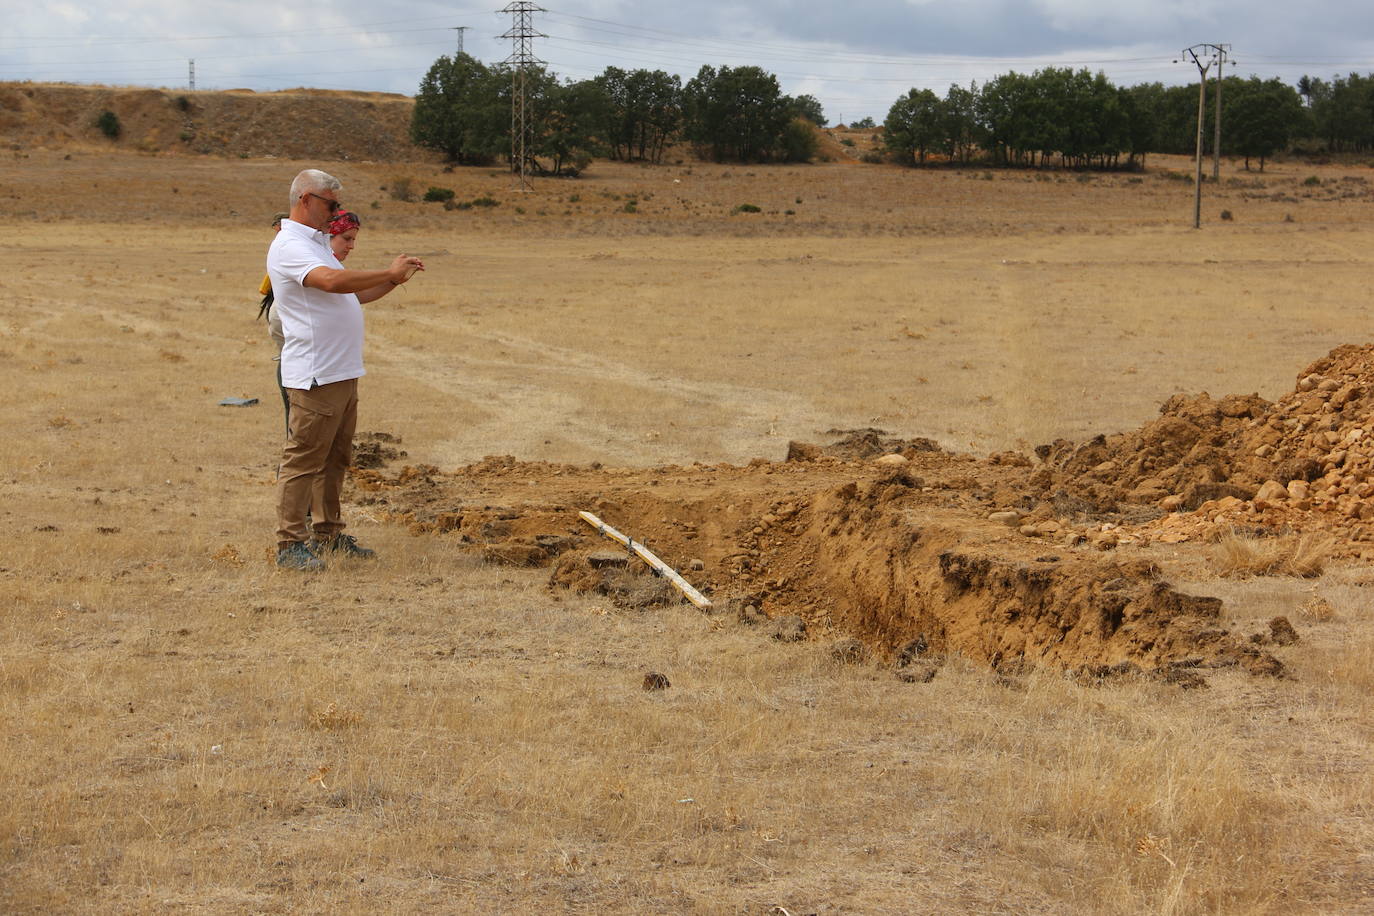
[[1341, 111], [1059, 116], [1079, 119], [463, 109]]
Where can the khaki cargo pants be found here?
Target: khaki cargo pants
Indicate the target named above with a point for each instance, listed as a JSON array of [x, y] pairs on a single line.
[[315, 459]]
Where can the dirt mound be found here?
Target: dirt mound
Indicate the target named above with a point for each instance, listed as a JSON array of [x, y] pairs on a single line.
[[290, 124], [893, 556], [1304, 462], [845, 144], [375, 450], [858, 444]]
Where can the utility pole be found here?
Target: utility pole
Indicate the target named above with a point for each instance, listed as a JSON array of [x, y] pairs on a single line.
[[522, 35], [460, 29], [1204, 61], [191, 73], [1216, 136]]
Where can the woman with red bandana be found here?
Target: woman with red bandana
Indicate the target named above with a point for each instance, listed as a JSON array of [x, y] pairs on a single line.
[[343, 233]]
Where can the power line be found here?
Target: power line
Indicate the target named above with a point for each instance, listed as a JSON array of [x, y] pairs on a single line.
[[314, 52], [811, 52], [166, 39], [574, 47]]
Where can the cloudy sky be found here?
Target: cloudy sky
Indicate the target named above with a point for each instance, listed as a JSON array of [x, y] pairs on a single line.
[[856, 57]]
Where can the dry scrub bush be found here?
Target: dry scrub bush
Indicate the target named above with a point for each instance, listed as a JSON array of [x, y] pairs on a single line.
[[402, 188], [332, 718], [1303, 556], [1317, 609]]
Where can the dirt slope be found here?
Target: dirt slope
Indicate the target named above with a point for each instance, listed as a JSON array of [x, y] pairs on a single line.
[[298, 123]]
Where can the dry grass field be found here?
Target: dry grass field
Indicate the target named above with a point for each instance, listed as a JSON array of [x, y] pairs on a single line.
[[188, 729]]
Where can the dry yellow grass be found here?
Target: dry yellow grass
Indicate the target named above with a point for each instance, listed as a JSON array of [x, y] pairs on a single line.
[[188, 728], [1304, 555]]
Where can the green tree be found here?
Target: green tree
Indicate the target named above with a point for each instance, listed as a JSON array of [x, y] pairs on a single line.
[[1261, 118], [735, 113], [959, 127], [1095, 126], [109, 125], [643, 112], [914, 125], [808, 107], [458, 111], [1344, 113], [566, 125], [561, 119], [1143, 107], [798, 142], [1003, 113]]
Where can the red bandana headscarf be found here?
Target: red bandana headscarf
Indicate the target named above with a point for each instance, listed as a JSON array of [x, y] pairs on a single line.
[[344, 221]]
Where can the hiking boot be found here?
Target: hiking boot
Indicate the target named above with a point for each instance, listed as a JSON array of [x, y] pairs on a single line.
[[299, 556], [345, 545]]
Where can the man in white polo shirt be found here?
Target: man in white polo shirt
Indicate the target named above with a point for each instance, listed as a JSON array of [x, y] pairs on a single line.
[[319, 303]]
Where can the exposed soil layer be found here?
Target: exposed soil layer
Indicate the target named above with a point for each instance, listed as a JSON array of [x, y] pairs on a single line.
[[900, 555]]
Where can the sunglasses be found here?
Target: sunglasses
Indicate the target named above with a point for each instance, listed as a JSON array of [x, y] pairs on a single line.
[[333, 204]]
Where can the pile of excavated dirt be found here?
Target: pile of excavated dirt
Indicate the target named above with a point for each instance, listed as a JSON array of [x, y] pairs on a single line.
[[859, 444], [895, 552], [375, 450], [1303, 463]]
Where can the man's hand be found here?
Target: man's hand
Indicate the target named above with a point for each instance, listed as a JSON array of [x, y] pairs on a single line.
[[403, 268]]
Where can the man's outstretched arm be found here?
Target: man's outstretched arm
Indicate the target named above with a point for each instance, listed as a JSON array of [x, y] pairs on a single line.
[[338, 280]]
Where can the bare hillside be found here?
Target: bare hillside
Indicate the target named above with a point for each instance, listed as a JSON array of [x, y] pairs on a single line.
[[298, 123]]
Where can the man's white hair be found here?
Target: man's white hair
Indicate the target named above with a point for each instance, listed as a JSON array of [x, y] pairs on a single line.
[[313, 180]]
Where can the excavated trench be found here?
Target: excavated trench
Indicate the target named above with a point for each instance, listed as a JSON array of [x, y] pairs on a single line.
[[900, 576], [837, 549]]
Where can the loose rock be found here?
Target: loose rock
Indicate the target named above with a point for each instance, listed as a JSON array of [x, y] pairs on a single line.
[[1282, 632], [789, 628], [849, 651]]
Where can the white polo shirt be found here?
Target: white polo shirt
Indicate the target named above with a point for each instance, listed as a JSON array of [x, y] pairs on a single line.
[[323, 331]]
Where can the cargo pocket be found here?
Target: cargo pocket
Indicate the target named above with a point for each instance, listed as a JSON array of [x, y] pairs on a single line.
[[309, 416]]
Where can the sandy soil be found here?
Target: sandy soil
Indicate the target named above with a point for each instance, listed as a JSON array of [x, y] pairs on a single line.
[[446, 729]]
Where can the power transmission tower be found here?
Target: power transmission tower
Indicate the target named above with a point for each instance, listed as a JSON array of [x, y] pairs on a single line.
[[1222, 51], [460, 29], [1204, 57], [191, 73], [522, 35]]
